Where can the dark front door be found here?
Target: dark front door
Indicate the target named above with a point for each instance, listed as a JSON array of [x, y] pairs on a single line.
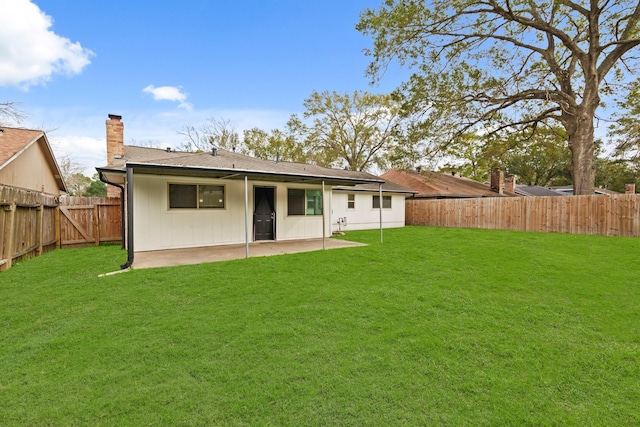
[[264, 214]]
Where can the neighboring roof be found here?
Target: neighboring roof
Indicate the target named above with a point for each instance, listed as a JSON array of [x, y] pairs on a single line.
[[568, 190], [435, 184], [228, 164], [14, 141], [387, 187], [536, 191]]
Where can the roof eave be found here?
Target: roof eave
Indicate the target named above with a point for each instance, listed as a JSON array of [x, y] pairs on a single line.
[[232, 172]]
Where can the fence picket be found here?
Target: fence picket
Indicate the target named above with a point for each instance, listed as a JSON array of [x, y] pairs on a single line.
[[607, 215]]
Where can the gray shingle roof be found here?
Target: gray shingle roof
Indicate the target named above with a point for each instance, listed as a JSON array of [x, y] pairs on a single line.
[[227, 163], [536, 191]]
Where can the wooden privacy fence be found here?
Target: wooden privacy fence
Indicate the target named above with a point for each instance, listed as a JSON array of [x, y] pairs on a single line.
[[28, 224], [89, 220], [607, 215], [33, 223]]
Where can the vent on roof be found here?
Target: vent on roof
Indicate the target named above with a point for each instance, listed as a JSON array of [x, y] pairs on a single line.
[[214, 151], [168, 149]]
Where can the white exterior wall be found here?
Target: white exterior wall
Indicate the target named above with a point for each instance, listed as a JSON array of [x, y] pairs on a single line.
[[157, 227], [364, 216]]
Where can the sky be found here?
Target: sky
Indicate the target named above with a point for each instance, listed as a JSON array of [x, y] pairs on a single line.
[[164, 64]]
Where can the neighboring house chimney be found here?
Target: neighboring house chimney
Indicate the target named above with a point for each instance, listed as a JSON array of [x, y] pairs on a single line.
[[497, 181], [630, 188], [510, 184], [115, 146]]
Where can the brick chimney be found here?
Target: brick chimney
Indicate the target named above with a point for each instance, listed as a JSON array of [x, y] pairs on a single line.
[[510, 184], [497, 181], [115, 146], [630, 188]]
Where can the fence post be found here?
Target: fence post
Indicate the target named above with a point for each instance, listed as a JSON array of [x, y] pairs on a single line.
[[7, 244], [56, 220], [39, 229], [96, 222]]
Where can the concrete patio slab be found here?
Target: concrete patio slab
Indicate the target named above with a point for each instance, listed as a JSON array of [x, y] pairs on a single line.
[[173, 257]]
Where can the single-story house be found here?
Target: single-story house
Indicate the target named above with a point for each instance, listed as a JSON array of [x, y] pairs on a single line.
[[358, 207], [179, 199], [27, 162]]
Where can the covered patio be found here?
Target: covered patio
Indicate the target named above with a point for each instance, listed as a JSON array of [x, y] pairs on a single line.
[[174, 257]]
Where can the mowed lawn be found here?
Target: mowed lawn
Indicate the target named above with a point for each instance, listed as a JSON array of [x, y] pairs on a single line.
[[433, 327]]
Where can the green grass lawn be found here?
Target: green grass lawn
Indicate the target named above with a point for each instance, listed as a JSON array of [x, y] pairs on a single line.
[[434, 327]]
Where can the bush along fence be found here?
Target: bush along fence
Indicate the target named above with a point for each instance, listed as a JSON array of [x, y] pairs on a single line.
[[607, 215], [33, 223]]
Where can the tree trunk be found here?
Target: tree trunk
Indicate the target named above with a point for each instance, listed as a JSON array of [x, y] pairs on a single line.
[[582, 147]]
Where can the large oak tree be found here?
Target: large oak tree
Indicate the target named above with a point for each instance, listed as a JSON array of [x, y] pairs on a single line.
[[495, 66]]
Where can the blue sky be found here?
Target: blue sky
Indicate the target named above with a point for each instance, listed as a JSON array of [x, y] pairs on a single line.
[[163, 64]]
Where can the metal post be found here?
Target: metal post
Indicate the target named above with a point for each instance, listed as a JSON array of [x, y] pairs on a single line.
[[380, 195], [246, 217], [324, 225]]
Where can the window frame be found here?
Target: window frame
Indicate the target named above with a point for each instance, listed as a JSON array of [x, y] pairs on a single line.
[[197, 196], [305, 200], [351, 201], [384, 199]]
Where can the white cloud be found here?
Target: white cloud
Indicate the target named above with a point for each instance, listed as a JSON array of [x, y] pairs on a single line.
[[30, 53], [169, 93], [86, 151]]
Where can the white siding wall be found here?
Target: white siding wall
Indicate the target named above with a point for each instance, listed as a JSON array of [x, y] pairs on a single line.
[[158, 227], [364, 216]]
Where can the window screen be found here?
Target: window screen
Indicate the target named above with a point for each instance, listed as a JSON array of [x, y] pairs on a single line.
[[211, 196], [386, 202], [183, 196], [295, 202]]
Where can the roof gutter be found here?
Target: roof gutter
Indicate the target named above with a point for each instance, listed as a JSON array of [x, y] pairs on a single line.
[[261, 174]]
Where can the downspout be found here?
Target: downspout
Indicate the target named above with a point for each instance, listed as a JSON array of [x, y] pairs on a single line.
[[129, 262], [121, 187]]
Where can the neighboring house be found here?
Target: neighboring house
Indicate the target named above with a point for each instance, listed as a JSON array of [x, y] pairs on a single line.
[[567, 190], [358, 207], [27, 162], [536, 191], [428, 184], [182, 199]]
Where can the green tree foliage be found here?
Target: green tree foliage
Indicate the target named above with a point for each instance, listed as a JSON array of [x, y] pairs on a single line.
[[541, 159], [283, 145], [96, 188], [625, 131], [538, 158], [614, 174], [77, 183], [496, 66], [354, 131]]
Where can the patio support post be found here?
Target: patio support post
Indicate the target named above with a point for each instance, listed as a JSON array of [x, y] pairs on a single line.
[[380, 196], [324, 225], [246, 217]]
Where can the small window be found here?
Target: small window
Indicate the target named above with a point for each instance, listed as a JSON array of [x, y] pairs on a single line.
[[351, 201], [304, 202], [193, 196], [386, 202]]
